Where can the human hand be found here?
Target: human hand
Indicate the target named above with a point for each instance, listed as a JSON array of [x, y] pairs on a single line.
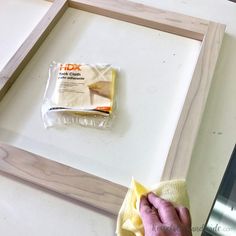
[[161, 218]]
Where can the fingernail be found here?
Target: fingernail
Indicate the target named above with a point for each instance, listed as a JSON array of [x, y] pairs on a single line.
[[152, 194]]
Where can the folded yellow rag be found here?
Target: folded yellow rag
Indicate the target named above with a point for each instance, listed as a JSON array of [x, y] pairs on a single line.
[[129, 222]]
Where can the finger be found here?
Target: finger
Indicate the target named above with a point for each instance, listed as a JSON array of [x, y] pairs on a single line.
[[166, 210], [148, 214], [184, 216]]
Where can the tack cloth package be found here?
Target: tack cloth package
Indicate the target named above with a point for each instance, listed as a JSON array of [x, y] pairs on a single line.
[[79, 94]]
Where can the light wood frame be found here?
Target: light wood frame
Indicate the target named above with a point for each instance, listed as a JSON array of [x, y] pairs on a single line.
[[85, 187]]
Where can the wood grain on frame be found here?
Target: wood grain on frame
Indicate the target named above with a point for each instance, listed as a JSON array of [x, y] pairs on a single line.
[[62, 179], [180, 152], [140, 14]]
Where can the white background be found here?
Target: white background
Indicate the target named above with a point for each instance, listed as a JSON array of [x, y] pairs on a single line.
[[29, 211]]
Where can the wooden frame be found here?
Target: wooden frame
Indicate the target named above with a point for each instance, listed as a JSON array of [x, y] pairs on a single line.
[[85, 187]]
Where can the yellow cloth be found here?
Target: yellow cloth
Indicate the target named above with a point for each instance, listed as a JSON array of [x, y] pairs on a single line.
[[129, 222]]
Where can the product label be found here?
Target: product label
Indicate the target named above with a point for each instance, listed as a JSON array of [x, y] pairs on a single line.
[[84, 87]]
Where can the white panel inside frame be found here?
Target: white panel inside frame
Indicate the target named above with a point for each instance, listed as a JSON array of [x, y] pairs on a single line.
[[155, 72]]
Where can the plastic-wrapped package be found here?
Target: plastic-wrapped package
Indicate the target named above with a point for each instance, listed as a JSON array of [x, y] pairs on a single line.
[[80, 94]]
